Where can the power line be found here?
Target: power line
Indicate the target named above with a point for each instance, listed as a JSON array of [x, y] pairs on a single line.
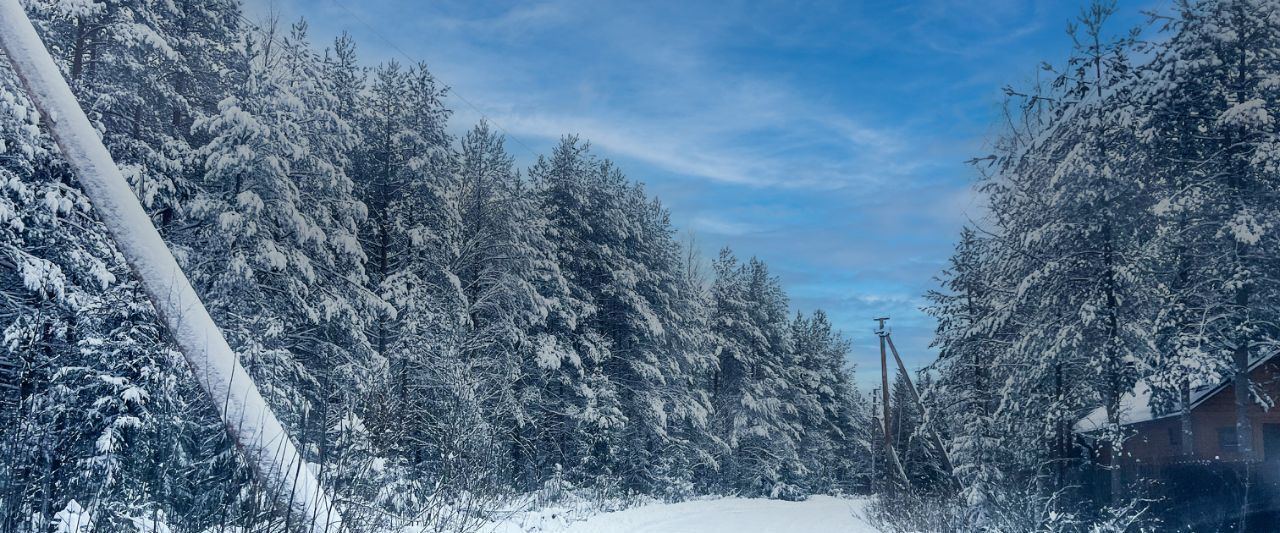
[[411, 60]]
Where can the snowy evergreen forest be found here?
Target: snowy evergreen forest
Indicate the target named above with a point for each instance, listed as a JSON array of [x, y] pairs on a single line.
[[1131, 232], [437, 329]]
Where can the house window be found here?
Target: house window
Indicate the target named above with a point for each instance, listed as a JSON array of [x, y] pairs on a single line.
[[1175, 437], [1227, 440]]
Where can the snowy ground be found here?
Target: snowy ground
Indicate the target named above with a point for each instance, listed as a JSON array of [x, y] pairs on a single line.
[[819, 514]]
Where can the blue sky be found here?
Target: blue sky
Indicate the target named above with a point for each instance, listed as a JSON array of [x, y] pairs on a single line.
[[825, 137]]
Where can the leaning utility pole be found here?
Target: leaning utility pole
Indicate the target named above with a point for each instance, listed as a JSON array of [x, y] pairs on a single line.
[[924, 415], [246, 416], [886, 339]]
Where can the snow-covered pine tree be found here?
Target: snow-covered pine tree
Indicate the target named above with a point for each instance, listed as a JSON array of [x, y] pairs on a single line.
[[275, 225], [967, 367], [652, 365], [59, 268], [689, 453], [753, 414], [1074, 253], [1223, 180], [400, 121], [127, 62], [573, 351], [827, 406], [479, 265]]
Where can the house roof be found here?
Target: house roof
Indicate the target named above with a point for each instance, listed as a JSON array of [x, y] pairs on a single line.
[[1135, 405]]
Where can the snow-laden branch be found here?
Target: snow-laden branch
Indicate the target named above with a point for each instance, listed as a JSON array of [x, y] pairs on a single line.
[[248, 419]]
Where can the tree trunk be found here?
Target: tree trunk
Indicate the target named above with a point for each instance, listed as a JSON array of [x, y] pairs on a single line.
[[1240, 360], [1188, 435]]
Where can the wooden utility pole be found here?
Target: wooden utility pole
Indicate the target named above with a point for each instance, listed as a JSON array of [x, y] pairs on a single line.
[[891, 456], [924, 415], [247, 418], [884, 384]]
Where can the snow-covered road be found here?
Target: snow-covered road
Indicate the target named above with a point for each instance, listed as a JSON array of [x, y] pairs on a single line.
[[819, 514]]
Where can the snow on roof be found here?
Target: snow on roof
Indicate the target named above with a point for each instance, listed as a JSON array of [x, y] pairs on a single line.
[[1135, 405]]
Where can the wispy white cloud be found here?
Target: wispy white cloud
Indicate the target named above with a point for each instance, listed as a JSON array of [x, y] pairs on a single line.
[[973, 27], [825, 136], [638, 142], [664, 97], [718, 225]]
